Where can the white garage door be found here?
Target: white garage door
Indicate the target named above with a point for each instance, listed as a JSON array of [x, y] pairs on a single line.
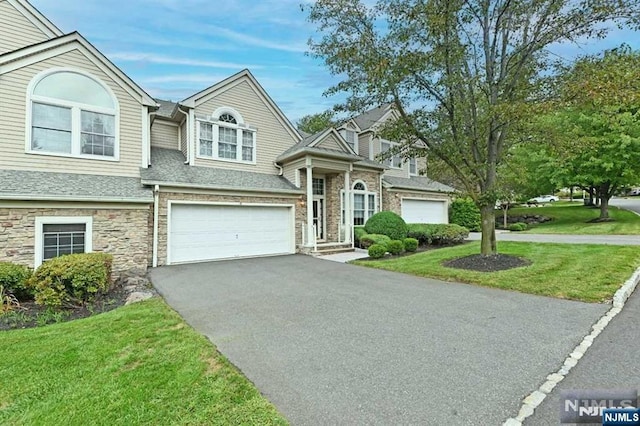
[[424, 211], [206, 232]]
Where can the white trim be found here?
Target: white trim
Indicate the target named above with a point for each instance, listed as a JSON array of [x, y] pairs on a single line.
[[16, 197], [215, 115], [355, 182], [36, 18], [240, 128], [146, 138], [76, 109], [37, 53], [54, 220], [292, 215], [72, 205], [156, 214], [191, 155]]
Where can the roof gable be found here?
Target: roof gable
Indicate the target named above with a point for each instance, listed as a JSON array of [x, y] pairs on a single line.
[[243, 76], [74, 41], [36, 18], [331, 139]]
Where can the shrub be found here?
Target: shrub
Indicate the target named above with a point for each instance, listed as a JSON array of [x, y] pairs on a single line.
[[73, 279], [438, 233], [377, 251], [410, 244], [369, 239], [13, 279], [518, 226], [358, 232], [8, 302], [387, 223], [464, 212], [395, 247]]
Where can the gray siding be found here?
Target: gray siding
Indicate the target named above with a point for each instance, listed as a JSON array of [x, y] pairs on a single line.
[[16, 31], [330, 142], [363, 145], [272, 138], [13, 109], [164, 134]]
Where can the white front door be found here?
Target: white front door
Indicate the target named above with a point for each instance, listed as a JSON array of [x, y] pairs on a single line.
[[319, 208]]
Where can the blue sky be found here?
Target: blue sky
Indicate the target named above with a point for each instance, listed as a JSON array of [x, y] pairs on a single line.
[[175, 48]]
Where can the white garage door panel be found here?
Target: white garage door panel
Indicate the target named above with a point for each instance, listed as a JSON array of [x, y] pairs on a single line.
[[205, 232], [424, 211]]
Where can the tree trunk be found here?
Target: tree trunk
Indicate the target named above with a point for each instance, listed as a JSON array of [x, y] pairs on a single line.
[[505, 210], [488, 242], [604, 208], [571, 194]]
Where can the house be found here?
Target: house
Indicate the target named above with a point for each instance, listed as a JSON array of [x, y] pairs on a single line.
[[91, 162]]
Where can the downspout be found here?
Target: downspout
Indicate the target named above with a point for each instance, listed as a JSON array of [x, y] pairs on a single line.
[[281, 171], [188, 136], [156, 209], [151, 114], [380, 178]]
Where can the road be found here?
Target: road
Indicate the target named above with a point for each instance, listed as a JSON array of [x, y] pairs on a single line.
[[629, 203]]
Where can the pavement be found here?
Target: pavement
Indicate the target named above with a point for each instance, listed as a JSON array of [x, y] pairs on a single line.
[[629, 203], [330, 343], [562, 238], [612, 362], [346, 256]]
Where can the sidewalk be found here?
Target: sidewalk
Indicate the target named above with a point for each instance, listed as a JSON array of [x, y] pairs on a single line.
[[620, 240]]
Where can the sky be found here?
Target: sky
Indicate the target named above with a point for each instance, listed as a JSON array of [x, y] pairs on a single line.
[[175, 48]]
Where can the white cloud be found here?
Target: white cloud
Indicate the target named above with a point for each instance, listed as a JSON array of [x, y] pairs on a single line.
[[169, 60], [261, 42]]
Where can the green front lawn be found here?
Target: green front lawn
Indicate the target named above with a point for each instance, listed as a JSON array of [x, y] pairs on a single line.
[[591, 273], [139, 364], [573, 218]]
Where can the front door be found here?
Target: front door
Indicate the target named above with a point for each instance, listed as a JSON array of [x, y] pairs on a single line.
[[319, 208]]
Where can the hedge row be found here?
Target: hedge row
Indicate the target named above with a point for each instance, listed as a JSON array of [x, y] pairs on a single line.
[[438, 234]]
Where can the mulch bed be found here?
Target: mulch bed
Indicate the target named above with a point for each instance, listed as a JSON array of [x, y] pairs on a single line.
[[29, 314], [481, 263]]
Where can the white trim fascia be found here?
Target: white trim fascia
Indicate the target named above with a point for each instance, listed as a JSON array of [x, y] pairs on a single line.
[[49, 220], [227, 189], [232, 81], [23, 197], [192, 137], [71, 205], [36, 18], [67, 43], [205, 192], [146, 138]]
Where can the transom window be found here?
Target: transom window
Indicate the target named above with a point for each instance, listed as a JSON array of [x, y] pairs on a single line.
[[72, 114], [363, 202], [57, 236], [226, 137], [317, 185], [395, 161]]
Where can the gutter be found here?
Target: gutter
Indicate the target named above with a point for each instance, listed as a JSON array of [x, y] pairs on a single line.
[[188, 134], [222, 188], [29, 197]]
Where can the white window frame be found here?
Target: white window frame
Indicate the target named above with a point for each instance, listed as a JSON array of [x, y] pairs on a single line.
[[368, 210], [239, 127], [390, 161], [76, 117], [413, 162], [87, 221], [343, 133]]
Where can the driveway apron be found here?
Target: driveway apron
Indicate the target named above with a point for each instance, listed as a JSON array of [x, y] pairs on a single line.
[[332, 343]]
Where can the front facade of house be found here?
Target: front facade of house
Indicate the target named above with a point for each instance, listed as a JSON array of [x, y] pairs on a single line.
[[91, 162]]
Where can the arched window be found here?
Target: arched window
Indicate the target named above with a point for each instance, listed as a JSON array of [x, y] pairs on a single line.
[[225, 136], [363, 203], [72, 113], [359, 186]]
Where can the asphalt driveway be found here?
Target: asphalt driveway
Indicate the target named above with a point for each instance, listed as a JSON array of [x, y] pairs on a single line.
[[330, 343]]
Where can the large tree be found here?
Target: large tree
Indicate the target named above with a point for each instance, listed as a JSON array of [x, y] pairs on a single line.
[[461, 73], [314, 123]]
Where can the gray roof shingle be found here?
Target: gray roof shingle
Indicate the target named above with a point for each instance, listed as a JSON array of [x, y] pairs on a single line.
[[32, 185], [419, 183], [371, 117], [167, 167], [166, 108]]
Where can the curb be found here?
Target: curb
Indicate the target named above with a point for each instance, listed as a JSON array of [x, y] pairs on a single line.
[[534, 399]]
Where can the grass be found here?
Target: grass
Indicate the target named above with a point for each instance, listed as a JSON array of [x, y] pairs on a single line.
[[590, 273], [139, 364], [573, 218]]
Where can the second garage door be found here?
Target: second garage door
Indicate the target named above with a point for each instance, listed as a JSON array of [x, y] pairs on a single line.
[[210, 232], [424, 211]]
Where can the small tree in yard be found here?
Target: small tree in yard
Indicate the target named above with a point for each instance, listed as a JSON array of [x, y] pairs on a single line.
[[460, 73]]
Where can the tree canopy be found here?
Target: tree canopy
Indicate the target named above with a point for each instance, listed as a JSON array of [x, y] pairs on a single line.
[[314, 123], [461, 73]]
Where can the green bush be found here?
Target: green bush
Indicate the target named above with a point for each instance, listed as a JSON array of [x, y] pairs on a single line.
[[395, 247], [437, 233], [369, 239], [377, 251], [387, 223], [358, 232], [518, 226], [73, 279], [410, 244], [13, 279], [464, 212]]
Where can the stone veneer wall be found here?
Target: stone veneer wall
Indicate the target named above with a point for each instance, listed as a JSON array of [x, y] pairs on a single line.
[[121, 232], [210, 198], [392, 199]]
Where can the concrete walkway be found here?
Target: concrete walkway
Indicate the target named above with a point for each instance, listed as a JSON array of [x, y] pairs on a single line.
[[621, 240], [345, 257], [330, 343]]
